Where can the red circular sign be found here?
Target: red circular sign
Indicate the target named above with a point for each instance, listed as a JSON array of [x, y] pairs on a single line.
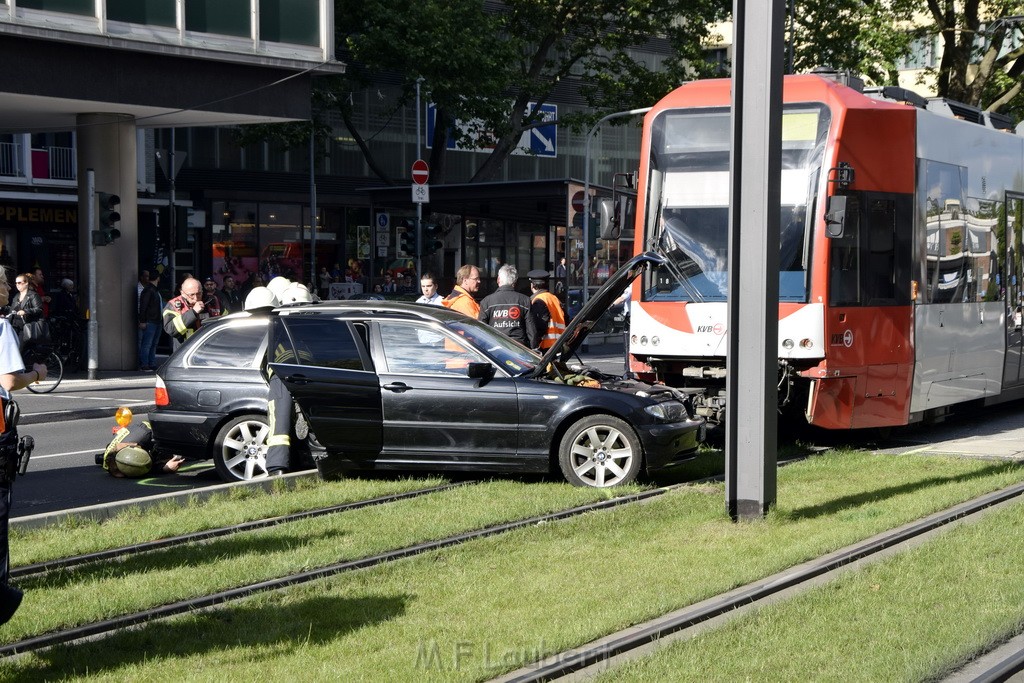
[[577, 201], [420, 172]]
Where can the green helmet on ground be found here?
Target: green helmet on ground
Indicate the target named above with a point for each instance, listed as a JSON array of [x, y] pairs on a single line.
[[133, 461]]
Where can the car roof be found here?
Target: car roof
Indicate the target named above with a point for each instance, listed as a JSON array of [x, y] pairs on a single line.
[[373, 308]]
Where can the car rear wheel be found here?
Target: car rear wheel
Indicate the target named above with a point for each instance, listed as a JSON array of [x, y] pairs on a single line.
[[600, 451], [240, 449]]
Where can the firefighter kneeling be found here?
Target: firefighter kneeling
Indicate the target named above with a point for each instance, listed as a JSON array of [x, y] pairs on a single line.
[[128, 453]]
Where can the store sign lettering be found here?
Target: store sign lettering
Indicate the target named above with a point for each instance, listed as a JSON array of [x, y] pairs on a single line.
[[39, 214]]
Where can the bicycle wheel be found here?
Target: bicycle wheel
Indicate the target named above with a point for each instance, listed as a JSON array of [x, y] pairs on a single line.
[[54, 374]]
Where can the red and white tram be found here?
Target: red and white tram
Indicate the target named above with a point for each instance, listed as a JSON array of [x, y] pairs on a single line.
[[911, 304]]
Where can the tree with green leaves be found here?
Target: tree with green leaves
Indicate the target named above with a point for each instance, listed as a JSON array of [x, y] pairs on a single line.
[[482, 63], [982, 48]]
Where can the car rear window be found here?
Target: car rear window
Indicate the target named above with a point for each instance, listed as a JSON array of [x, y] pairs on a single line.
[[318, 340], [232, 346]]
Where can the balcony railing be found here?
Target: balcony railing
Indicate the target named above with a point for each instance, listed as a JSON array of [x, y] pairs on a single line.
[[10, 160], [62, 163]]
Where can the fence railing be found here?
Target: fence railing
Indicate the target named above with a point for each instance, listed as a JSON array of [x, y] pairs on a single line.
[[62, 163], [10, 160]]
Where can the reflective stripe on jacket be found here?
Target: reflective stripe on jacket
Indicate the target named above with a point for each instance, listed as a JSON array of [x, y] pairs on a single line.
[[556, 321]]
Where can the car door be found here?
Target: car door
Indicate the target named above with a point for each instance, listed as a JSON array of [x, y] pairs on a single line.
[[433, 411], [325, 365]]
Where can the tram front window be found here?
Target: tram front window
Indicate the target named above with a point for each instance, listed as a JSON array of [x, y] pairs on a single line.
[[688, 201]]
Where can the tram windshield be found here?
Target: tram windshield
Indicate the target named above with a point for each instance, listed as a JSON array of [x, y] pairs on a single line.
[[688, 201]]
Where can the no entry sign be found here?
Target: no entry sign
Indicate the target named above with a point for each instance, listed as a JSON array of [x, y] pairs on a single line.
[[420, 172]]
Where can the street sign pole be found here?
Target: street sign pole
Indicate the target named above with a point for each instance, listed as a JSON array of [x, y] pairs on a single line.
[[419, 206], [420, 175]]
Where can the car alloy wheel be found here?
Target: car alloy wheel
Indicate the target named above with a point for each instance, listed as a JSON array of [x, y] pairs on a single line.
[[599, 451], [240, 450]]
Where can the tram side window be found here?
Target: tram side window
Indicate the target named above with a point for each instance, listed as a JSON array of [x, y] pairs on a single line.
[[845, 272], [880, 278], [870, 264]]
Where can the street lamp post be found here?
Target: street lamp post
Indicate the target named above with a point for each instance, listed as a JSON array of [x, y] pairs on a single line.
[[586, 195]]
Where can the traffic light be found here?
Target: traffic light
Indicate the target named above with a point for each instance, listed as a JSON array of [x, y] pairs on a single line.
[[107, 204], [432, 238], [406, 240]]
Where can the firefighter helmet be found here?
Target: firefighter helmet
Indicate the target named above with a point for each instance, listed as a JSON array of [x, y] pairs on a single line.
[[133, 461], [297, 293], [260, 298], [278, 284]]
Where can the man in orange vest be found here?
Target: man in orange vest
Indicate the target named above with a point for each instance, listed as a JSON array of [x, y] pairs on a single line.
[[467, 282], [546, 310]]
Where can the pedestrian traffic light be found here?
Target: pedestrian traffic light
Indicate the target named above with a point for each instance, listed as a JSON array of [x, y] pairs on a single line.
[[432, 238], [107, 214]]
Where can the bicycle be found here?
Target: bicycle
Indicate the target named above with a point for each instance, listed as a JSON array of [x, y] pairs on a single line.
[[67, 335], [35, 352]]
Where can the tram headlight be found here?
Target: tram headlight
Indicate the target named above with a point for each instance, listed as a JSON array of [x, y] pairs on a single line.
[[643, 341], [806, 343], [787, 344], [655, 341]]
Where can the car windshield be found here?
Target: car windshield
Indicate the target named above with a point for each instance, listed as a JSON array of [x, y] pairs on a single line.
[[504, 351]]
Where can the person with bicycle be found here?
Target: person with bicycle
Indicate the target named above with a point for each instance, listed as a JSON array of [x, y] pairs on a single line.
[[12, 377]]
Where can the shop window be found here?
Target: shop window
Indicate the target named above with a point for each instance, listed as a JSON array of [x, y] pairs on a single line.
[[233, 227]]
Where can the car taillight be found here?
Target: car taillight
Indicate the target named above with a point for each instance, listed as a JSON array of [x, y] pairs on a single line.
[[161, 398]]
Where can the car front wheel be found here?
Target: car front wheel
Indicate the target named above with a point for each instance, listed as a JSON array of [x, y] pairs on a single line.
[[599, 451], [240, 449]]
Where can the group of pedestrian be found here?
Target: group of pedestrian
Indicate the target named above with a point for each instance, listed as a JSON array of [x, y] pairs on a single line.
[[535, 321]]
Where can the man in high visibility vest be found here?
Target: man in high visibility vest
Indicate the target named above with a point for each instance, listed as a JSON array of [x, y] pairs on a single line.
[[183, 314], [546, 310], [467, 282]]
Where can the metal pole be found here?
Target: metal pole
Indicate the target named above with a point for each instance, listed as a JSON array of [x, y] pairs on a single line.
[[586, 195], [314, 277], [419, 205], [755, 166], [171, 218], [91, 329]]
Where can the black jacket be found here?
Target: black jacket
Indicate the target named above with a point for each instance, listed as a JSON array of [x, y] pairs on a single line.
[[508, 311], [150, 306]]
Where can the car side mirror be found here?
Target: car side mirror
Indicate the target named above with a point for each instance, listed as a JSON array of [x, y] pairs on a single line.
[[480, 371], [835, 216]]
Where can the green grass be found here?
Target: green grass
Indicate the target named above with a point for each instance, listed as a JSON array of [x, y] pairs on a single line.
[[918, 616], [474, 611]]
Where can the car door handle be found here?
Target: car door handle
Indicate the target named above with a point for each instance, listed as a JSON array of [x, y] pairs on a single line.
[[298, 379], [397, 386]]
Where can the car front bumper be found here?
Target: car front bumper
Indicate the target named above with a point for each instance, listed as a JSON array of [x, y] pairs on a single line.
[[669, 444]]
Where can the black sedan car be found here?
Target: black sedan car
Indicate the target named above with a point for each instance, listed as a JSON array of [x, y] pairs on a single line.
[[392, 385]]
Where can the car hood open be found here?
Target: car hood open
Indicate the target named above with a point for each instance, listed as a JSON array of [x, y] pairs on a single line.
[[579, 327]]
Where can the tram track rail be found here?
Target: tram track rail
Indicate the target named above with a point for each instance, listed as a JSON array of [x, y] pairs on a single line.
[[107, 627], [639, 639], [123, 552]]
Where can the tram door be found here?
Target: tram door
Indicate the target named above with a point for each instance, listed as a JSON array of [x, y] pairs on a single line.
[[1013, 373]]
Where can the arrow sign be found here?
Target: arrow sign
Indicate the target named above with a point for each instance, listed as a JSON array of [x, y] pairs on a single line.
[[420, 172]]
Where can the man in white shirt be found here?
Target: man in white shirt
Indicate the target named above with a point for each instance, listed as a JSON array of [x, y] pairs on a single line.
[[429, 288]]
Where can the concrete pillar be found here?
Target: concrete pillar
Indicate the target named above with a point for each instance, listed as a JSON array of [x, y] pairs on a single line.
[[106, 144]]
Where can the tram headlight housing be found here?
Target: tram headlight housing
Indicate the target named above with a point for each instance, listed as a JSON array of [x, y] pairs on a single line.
[[787, 344]]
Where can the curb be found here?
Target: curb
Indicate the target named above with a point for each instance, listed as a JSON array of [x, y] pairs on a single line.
[[83, 414], [104, 511]]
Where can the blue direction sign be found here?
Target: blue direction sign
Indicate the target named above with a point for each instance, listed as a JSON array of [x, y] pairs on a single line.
[[541, 141]]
